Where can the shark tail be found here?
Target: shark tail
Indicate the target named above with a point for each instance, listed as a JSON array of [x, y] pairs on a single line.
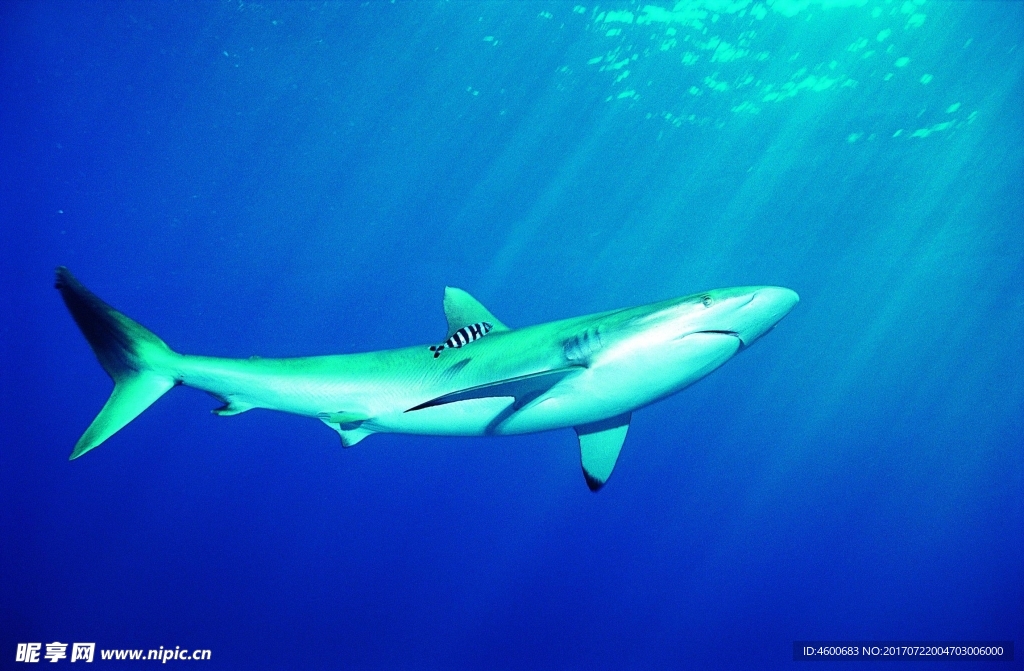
[[140, 363]]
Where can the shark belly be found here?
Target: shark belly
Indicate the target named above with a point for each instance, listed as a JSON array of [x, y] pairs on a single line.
[[622, 380]]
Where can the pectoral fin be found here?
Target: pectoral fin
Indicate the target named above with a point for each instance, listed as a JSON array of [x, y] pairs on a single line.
[[600, 443], [524, 388]]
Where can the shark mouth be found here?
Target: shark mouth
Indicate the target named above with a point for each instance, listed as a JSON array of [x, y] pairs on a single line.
[[734, 334]]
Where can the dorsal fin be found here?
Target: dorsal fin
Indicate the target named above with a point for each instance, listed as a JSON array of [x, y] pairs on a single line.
[[461, 309]]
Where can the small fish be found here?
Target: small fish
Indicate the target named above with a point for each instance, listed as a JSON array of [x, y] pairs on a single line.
[[463, 336]]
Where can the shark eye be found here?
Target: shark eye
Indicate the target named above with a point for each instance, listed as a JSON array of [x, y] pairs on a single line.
[[707, 301]]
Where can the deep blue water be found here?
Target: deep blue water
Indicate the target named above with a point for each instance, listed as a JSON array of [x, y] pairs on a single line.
[[296, 179]]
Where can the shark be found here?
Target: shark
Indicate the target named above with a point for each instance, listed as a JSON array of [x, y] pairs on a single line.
[[588, 373]]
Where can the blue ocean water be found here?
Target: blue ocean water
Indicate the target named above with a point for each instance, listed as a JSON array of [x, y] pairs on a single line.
[[289, 179]]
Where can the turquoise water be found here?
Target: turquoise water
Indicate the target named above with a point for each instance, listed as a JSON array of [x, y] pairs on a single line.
[[288, 179]]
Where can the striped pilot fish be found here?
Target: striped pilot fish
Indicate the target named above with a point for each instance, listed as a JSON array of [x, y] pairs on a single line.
[[463, 336]]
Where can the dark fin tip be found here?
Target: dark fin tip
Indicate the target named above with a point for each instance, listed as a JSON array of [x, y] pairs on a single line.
[[593, 483]]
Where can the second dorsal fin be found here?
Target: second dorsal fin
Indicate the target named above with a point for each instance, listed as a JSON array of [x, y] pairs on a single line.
[[461, 309]]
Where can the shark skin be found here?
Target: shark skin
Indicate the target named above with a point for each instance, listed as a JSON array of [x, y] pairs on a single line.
[[590, 373]]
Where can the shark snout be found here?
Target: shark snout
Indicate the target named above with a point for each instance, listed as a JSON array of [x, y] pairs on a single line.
[[765, 309], [781, 299]]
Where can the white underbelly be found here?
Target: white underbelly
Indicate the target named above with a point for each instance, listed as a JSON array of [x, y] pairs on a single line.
[[623, 382]]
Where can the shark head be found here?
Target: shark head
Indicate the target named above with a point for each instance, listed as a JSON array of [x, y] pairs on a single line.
[[747, 312], [744, 313], [627, 359]]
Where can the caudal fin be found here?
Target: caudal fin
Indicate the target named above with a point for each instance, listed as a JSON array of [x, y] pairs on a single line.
[[134, 357]]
